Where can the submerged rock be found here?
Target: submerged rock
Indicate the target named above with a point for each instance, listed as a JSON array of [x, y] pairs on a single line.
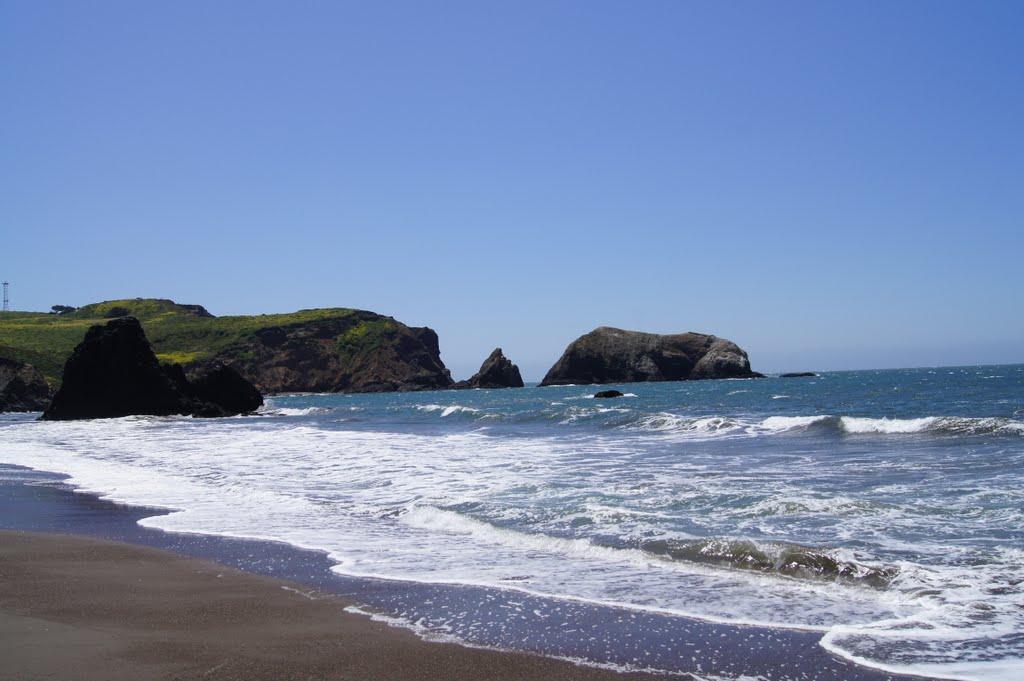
[[789, 560], [113, 372], [22, 387], [497, 371], [798, 374], [609, 355], [604, 394]]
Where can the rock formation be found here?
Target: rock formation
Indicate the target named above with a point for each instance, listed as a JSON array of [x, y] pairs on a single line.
[[608, 355], [798, 374], [359, 352], [22, 387], [497, 371], [113, 372], [223, 392]]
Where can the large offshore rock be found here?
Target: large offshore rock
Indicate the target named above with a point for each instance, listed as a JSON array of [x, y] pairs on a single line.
[[609, 355]]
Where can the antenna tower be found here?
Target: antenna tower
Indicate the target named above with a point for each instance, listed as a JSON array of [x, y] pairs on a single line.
[[7, 300]]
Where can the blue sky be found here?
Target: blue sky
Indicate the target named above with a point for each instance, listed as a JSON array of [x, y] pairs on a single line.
[[831, 185]]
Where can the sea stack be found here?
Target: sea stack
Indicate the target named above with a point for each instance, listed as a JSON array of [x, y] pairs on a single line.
[[609, 355], [113, 372], [497, 371], [22, 387]]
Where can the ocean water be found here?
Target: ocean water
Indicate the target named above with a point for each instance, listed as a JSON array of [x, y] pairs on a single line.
[[882, 510]]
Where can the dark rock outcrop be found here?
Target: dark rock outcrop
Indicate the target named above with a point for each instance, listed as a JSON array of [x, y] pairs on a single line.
[[798, 374], [606, 394], [22, 387], [608, 355], [497, 371], [223, 392], [113, 372]]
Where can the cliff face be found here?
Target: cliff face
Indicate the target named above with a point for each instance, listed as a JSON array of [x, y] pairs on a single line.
[[497, 371], [360, 352], [608, 355], [22, 387]]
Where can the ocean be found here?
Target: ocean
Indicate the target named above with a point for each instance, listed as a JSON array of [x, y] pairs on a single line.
[[879, 512]]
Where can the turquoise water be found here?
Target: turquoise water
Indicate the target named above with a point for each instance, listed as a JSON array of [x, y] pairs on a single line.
[[882, 509]]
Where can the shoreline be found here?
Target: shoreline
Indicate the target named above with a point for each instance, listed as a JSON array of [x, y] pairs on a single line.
[[599, 637], [81, 608]]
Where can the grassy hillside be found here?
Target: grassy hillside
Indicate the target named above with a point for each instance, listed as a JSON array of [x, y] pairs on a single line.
[[185, 334]]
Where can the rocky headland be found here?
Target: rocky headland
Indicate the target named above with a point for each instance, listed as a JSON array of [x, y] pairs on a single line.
[[317, 350], [609, 355]]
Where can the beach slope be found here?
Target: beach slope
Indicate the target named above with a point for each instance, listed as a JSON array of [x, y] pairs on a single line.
[[84, 609]]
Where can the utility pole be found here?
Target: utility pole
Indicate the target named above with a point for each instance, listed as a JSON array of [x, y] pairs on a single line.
[[7, 300]]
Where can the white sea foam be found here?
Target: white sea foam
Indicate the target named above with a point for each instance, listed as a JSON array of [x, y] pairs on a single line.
[[884, 425], [447, 409], [292, 411]]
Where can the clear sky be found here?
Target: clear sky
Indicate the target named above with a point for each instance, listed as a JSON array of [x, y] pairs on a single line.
[[831, 185]]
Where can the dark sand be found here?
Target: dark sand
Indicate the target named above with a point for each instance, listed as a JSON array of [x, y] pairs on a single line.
[[78, 609], [35, 501]]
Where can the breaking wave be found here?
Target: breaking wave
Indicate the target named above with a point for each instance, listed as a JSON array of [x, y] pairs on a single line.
[[770, 558], [447, 409], [848, 425]]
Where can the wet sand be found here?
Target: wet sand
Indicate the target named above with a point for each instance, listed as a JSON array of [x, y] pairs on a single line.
[[36, 501], [79, 609]]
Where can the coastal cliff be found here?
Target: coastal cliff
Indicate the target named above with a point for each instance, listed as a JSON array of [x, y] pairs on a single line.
[[318, 350], [609, 355]]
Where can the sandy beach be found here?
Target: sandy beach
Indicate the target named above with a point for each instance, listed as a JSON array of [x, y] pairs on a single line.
[[83, 609]]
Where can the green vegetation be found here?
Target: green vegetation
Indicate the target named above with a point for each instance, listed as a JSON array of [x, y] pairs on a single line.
[[178, 333], [182, 358], [366, 334]]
